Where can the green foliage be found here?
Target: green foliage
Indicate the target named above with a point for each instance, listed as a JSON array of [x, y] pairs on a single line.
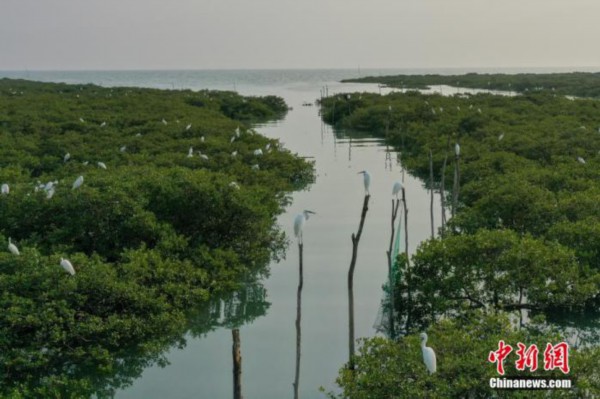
[[388, 369], [160, 241], [580, 84]]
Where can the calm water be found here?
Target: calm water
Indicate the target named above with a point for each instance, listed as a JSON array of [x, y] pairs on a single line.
[[203, 368]]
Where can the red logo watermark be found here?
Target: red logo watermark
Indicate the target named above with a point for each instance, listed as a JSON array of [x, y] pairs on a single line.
[[555, 357]]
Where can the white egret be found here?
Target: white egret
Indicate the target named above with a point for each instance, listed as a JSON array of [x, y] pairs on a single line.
[[268, 146], [50, 193], [85, 163], [234, 185], [164, 121], [457, 150], [67, 266], [258, 152], [397, 188], [66, 157], [234, 154], [237, 131], [205, 157], [138, 135], [428, 355], [81, 120], [501, 137], [190, 152], [479, 110], [102, 165], [103, 124], [458, 108], [202, 139], [123, 148], [232, 139], [77, 183], [299, 221], [48, 185], [580, 160], [188, 127], [13, 248], [5, 189], [366, 180], [255, 167]]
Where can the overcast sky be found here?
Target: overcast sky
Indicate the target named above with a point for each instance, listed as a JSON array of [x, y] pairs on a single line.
[[208, 34]]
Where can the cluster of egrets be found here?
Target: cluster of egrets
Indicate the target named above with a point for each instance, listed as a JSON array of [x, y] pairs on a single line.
[[64, 263], [300, 220]]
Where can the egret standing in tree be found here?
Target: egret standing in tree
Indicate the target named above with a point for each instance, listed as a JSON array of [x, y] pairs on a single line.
[[102, 165], [66, 157], [428, 355], [67, 266], [299, 221], [13, 248], [77, 183], [366, 180], [5, 189]]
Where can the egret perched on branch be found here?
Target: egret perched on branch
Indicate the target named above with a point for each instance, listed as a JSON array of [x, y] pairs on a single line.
[[580, 160], [190, 152], [67, 266], [77, 183], [299, 221], [164, 121], [255, 167], [428, 355], [234, 185], [102, 165], [457, 150], [258, 152], [397, 188], [501, 137], [13, 248], [66, 157], [366, 180], [202, 139], [5, 189], [188, 127], [123, 148], [237, 131], [103, 124]]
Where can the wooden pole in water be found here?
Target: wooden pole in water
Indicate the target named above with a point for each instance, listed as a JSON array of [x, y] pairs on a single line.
[[298, 319], [391, 279], [431, 188], [355, 240], [408, 274], [237, 365]]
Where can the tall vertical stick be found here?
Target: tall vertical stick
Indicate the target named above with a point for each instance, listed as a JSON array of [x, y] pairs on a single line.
[[298, 319], [408, 274], [456, 183], [355, 240], [391, 279], [237, 364], [431, 188]]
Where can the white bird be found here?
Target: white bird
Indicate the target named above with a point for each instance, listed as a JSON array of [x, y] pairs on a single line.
[[366, 180], [77, 183], [123, 148], [299, 221], [102, 165], [48, 185], [234, 185], [138, 135], [501, 137], [479, 110], [232, 139], [255, 167], [581, 160], [234, 154], [85, 163], [258, 152], [66, 157], [397, 188], [457, 150], [268, 146], [458, 108], [13, 248], [164, 121], [188, 127], [5, 189], [50, 193], [237, 131], [202, 139], [190, 152], [205, 157], [103, 124], [67, 266], [81, 120], [428, 355]]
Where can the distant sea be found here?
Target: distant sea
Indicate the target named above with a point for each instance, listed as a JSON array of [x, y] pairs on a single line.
[[241, 79]]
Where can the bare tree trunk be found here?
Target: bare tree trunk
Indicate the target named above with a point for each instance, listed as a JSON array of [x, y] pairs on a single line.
[[298, 319], [431, 188], [355, 240], [391, 279], [456, 184], [237, 365], [443, 193]]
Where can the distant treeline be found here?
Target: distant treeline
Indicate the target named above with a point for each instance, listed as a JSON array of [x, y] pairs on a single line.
[[580, 84]]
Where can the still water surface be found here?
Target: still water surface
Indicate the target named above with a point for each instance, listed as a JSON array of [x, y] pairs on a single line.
[[203, 368]]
